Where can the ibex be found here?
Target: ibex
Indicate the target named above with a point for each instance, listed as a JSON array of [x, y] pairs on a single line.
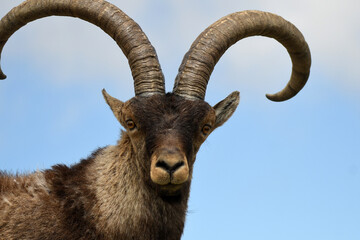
[[139, 188]]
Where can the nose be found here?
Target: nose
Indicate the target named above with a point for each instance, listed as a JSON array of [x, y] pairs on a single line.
[[169, 166], [170, 161]]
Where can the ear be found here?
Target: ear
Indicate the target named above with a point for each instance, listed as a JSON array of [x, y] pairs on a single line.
[[115, 104], [226, 108]]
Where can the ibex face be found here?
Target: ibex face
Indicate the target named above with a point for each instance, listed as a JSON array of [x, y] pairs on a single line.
[[166, 131]]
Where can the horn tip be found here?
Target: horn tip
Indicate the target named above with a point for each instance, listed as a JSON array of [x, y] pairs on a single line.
[[2, 75], [275, 98]]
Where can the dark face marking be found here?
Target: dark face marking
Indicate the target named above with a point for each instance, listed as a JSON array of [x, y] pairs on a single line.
[[162, 118]]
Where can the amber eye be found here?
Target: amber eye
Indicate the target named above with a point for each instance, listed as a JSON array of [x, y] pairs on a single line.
[[206, 129], [130, 124]]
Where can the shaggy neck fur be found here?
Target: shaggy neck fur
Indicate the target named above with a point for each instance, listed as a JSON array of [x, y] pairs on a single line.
[[106, 196], [128, 206]]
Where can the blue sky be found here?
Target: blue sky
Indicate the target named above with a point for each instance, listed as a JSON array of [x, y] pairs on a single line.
[[277, 171]]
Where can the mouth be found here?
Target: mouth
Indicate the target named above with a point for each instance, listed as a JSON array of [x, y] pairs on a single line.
[[170, 189]]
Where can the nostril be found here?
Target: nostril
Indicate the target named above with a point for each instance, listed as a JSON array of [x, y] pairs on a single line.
[[170, 169], [162, 164], [176, 166]]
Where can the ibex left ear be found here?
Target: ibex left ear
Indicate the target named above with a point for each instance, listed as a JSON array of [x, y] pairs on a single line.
[[225, 109], [115, 104]]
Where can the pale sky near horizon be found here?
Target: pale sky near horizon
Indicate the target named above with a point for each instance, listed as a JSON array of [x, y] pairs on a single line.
[[274, 171]]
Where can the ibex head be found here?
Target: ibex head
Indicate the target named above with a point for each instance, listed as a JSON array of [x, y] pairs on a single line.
[[167, 130]]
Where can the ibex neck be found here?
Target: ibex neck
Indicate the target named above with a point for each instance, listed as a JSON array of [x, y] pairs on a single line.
[[126, 206]]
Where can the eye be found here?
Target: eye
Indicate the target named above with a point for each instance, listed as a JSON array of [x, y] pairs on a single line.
[[131, 124], [206, 129]]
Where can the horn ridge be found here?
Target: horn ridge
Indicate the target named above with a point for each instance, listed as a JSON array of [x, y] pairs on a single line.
[[124, 30], [199, 62]]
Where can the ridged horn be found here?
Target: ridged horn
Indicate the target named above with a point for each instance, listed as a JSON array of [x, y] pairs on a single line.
[[143, 61], [205, 52]]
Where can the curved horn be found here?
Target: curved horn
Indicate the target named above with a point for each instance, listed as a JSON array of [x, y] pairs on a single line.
[[204, 53], [143, 61]]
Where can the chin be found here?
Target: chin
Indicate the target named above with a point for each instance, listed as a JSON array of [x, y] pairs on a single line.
[[172, 193], [170, 189]]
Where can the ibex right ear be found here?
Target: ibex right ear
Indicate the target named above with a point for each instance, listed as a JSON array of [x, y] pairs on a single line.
[[226, 108], [115, 104]]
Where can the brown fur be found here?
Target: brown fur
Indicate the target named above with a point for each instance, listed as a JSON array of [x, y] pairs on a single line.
[[102, 197], [111, 195]]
